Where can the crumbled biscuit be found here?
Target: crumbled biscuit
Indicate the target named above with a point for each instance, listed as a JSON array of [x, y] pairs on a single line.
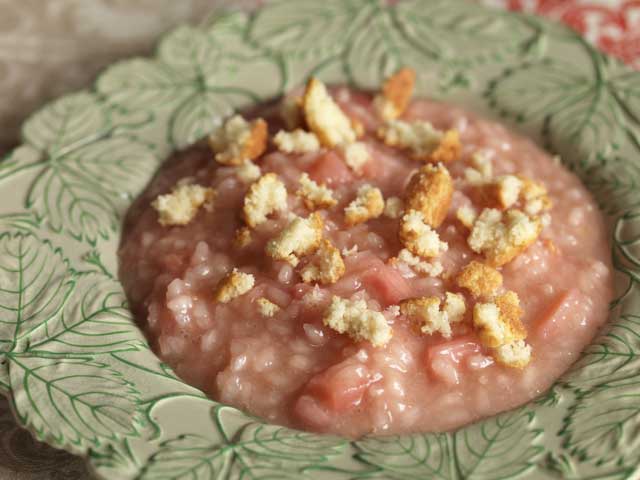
[[534, 196], [368, 204], [302, 236], [429, 191], [297, 141], [419, 138], [238, 140], [393, 207], [265, 196], [266, 307], [435, 315], [418, 237], [248, 172], [315, 195], [324, 117], [515, 355], [498, 323], [417, 264], [500, 237], [395, 95], [181, 205], [357, 126], [481, 170], [448, 149], [327, 267], [354, 318], [480, 279], [355, 156], [242, 237], [467, 216], [503, 192], [234, 284], [290, 112]]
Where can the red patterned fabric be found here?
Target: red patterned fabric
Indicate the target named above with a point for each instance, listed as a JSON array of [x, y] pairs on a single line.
[[612, 25]]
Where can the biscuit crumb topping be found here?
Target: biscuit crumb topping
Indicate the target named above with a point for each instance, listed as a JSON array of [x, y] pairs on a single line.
[[435, 315], [248, 172], [233, 285], [419, 138], [498, 323], [266, 307], [418, 237], [290, 112], [393, 207], [481, 170], [181, 205], [503, 192], [429, 191], [297, 141], [534, 196], [302, 236], [238, 140], [368, 204], [326, 267], [515, 355], [265, 196], [356, 155], [315, 195], [480, 279], [395, 95], [324, 117], [430, 268], [467, 216], [500, 237], [448, 149], [354, 318]]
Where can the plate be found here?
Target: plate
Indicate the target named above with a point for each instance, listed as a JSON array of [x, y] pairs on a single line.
[[80, 375]]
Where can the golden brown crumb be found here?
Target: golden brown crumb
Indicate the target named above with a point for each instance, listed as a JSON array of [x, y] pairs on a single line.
[[266, 196], [234, 284], [419, 138], [315, 195], [498, 323], [327, 267], [515, 355], [297, 141], [502, 192], [266, 307], [238, 140], [435, 316], [396, 93], [467, 216], [417, 264], [300, 237], [393, 207], [354, 318], [181, 205], [501, 237], [356, 155], [534, 196], [481, 170], [368, 204], [248, 172], [324, 117], [447, 150], [418, 237], [429, 191], [242, 237], [480, 279]]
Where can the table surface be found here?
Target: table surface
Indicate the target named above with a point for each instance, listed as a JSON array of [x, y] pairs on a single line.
[[50, 48]]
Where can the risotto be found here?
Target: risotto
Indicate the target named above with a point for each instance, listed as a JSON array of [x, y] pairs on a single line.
[[358, 263]]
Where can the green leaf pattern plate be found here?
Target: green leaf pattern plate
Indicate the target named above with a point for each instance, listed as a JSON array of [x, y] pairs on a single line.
[[79, 373]]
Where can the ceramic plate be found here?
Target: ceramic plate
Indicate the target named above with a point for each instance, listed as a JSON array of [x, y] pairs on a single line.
[[80, 374]]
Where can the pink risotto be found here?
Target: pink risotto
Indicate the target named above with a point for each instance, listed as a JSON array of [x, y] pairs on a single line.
[[268, 346]]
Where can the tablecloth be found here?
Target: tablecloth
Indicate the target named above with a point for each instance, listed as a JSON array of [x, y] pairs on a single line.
[[48, 48]]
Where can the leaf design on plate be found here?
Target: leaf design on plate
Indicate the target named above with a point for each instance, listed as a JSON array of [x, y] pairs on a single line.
[[67, 123], [87, 191], [94, 320], [199, 78], [35, 282], [603, 423], [254, 450], [310, 29], [497, 448], [72, 402]]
